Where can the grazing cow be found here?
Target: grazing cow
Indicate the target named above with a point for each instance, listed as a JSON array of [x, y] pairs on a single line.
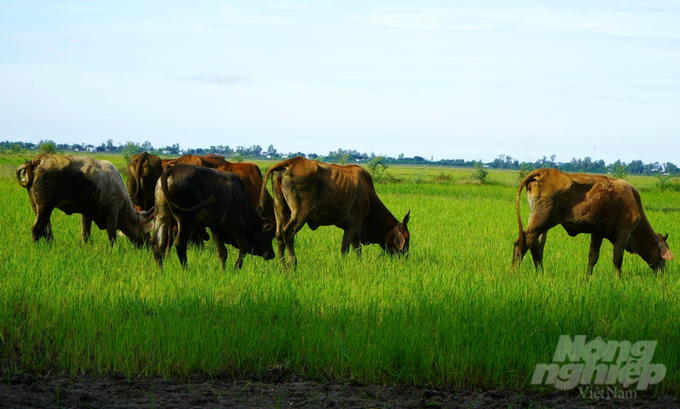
[[78, 184], [321, 194], [143, 173], [249, 172], [605, 208], [195, 196]]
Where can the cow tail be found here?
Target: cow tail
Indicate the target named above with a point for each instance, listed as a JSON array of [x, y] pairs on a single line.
[[263, 193], [138, 168], [531, 177], [173, 206], [25, 172]]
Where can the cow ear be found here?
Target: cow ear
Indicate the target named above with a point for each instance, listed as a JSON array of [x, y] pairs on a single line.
[[406, 218], [146, 227], [666, 254], [147, 215], [399, 240], [268, 224], [665, 251]]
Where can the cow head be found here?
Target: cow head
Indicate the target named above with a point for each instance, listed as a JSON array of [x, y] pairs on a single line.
[[397, 241], [138, 230], [262, 241]]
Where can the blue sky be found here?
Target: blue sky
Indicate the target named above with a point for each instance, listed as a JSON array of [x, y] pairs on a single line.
[[442, 79]]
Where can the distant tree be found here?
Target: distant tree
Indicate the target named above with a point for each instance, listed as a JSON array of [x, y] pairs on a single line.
[[47, 147], [480, 174], [377, 165], [671, 168], [109, 145], [523, 172], [618, 169], [636, 167], [272, 151], [129, 149]]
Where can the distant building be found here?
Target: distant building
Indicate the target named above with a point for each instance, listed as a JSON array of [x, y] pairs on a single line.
[[92, 149]]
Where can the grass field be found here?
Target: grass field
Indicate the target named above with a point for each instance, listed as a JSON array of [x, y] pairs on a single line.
[[453, 313]]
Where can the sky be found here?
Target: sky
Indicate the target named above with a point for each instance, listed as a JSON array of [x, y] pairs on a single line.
[[438, 79]]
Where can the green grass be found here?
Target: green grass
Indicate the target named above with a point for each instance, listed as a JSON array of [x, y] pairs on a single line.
[[451, 314]]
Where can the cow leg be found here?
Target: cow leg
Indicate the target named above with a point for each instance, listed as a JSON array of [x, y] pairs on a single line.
[[222, 252], [85, 228], [239, 259], [537, 250], [619, 248], [42, 226], [594, 253], [289, 232], [356, 246], [183, 236], [527, 240], [350, 237], [112, 227], [161, 241]]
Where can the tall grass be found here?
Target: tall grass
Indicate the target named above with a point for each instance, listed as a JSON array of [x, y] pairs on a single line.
[[450, 314]]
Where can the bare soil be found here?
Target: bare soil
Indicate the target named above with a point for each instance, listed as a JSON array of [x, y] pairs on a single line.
[[274, 389]]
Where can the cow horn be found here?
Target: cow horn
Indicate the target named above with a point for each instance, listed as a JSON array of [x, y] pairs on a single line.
[[665, 237], [406, 218]]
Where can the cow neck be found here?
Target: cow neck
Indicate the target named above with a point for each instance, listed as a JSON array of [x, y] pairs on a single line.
[[380, 218], [646, 239], [130, 221]]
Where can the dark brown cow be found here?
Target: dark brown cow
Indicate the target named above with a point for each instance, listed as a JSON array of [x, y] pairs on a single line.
[[194, 197], [321, 194], [78, 184], [249, 172], [142, 174], [605, 208]]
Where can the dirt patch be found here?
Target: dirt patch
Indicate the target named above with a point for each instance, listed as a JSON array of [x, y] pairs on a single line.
[[274, 389]]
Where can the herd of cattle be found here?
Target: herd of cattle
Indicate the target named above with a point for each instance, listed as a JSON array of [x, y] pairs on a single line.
[[184, 196]]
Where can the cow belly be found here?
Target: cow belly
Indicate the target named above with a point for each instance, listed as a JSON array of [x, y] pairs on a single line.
[[576, 228], [88, 208]]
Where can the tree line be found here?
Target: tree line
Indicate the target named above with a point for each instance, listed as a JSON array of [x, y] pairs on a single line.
[[343, 156]]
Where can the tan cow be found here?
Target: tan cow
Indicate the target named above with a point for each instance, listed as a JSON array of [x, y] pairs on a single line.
[[78, 184], [320, 194], [605, 208]]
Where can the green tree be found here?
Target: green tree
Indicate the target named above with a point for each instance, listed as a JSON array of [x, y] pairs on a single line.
[[480, 174], [47, 147], [377, 165], [130, 148]]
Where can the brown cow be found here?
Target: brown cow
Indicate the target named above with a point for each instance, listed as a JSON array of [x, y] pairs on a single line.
[[605, 208], [194, 196], [249, 172], [321, 194], [142, 174], [78, 184]]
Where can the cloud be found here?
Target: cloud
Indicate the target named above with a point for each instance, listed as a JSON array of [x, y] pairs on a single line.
[[433, 20], [621, 98], [230, 15], [218, 79]]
